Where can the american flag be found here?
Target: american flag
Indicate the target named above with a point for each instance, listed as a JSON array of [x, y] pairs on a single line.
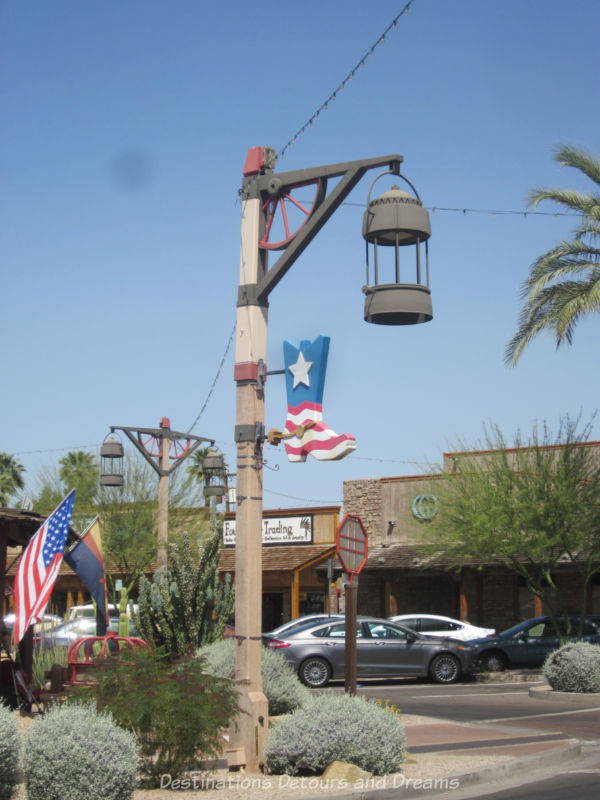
[[39, 567]]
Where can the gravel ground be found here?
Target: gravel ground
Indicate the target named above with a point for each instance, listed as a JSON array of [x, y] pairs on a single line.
[[421, 771]]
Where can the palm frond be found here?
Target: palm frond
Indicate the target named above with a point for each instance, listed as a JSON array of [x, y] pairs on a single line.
[[557, 309], [583, 203], [583, 160], [567, 260], [563, 283]]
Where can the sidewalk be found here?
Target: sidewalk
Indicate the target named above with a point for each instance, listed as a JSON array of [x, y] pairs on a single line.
[[442, 756], [441, 750]]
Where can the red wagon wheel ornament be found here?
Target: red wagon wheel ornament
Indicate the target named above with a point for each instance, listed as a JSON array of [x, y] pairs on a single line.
[[277, 210], [151, 444]]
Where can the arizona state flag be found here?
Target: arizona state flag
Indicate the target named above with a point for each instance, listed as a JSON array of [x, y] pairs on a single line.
[[87, 560]]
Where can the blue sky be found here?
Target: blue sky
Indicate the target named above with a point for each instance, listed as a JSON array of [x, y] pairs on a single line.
[[125, 129]]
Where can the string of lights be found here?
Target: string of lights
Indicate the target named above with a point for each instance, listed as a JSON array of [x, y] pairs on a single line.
[[503, 212], [304, 499], [497, 212], [58, 449], [360, 65]]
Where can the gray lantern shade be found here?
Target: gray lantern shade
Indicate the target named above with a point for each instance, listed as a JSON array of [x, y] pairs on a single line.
[[111, 457], [398, 220], [213, 466]]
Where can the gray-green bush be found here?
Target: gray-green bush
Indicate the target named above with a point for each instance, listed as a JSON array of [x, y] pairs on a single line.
[[336, 728], [9, 752], [281, 686], [75, 753], [574, 668]]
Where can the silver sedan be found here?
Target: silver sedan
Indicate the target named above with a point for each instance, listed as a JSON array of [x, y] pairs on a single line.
[[383, 650]]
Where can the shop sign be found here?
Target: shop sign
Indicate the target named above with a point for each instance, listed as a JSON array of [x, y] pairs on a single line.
[[277, 530], [425, 507]]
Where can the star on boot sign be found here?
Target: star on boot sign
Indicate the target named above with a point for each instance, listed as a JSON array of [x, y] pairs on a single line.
[[300, 371]]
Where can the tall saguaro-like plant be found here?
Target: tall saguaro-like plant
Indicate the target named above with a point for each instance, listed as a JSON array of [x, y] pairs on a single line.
[[188, 607]]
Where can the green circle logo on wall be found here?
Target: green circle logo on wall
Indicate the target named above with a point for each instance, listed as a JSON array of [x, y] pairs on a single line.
[[425, 507]]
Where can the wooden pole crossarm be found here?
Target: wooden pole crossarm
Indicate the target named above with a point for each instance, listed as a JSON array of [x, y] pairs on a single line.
[[161, 433], [274, 183]]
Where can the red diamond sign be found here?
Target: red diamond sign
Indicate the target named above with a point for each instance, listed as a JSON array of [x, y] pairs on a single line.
[[351, 544]]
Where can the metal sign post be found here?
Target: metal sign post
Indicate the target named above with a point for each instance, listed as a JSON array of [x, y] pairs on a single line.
[[351, 549]]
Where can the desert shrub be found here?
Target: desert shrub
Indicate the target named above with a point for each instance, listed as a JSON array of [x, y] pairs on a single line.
[[574, 668], [176, 710], [9, 752], [43, 660], [336, 728], [74, 753], [281, 686]]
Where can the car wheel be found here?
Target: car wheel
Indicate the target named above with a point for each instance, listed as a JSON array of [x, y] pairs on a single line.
[[445, 668], [314, 672], [494, 661]]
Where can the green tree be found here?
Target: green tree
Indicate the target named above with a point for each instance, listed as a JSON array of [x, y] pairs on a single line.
[[531, 507], [79, 470], [564, 283], [11, 477], [190, 606], [128, 519], [50, 491]]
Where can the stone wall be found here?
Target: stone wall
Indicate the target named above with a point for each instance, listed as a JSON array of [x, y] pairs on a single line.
[[364, 499]]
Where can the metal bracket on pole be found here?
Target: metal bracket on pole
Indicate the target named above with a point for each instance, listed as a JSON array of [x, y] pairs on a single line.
[[262, 374], [349, 172], [252, 433], [161, 433]]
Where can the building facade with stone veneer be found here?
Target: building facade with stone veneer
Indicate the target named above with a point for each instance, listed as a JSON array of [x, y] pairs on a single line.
[[399, 579]]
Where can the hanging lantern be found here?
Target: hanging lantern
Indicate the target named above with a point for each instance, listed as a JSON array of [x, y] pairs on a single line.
[[213, 466], [111, 462], [397, 220]]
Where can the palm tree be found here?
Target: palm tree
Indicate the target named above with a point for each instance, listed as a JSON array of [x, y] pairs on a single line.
[[564, 283], [79, 471], [11, 477]]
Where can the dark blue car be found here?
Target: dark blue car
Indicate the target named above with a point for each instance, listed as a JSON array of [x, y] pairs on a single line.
[[528, 643]]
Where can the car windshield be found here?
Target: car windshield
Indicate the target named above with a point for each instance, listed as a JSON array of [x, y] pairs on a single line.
[[337, 631], [543, 627], [516, 629]]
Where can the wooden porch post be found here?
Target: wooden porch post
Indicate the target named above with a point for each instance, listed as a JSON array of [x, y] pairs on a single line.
[[463, 608], [295, 594]]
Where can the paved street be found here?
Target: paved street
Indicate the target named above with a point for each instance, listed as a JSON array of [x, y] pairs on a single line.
[[508, 707], [582, 781], [479, 702]]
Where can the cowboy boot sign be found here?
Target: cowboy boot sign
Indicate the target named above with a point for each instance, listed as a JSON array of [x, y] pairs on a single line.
[[305, 432]]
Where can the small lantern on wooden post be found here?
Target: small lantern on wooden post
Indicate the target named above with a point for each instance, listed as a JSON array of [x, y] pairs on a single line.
[[397, 219], [111, 462], [213, 466]]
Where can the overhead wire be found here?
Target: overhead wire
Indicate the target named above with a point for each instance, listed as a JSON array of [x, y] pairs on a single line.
[[359, 65], [323, 107], [215, 380]]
